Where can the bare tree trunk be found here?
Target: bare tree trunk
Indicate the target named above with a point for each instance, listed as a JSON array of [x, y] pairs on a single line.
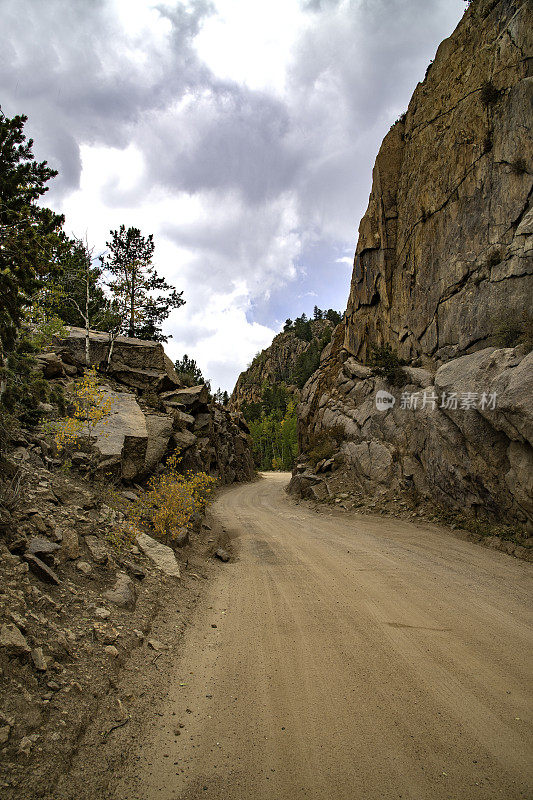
[[112, 337], [131, 332], [3, 382], [87, 321], [87, 346]]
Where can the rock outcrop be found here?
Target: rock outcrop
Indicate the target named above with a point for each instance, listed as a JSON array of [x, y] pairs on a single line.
[[151, 414], [138, 363], [433, 440], [442, 271], [122, 436]]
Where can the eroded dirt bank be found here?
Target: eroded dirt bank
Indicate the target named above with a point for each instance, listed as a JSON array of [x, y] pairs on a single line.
[[346, 657]]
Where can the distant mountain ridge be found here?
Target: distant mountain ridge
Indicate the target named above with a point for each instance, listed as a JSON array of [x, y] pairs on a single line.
[[286, 360]]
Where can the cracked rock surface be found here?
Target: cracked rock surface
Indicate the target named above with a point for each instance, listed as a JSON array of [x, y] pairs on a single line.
[[445, 244]]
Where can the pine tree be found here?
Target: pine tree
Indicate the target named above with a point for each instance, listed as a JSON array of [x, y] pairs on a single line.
[[133, 283], [302, 328], [189, 371], [218, 397], [333, 316], [31, 239]]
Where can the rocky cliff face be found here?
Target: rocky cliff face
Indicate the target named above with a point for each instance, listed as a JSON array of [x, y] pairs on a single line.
[[151, 414], [275, 364], [444, 247], [443, 263]]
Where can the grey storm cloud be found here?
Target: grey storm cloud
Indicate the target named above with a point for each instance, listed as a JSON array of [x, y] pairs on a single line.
[[234, 233], [320, 5], [68, 66], [230, 138]]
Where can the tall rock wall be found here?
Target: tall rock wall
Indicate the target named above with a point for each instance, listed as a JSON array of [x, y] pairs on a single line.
[[443, 261], [444, 247]]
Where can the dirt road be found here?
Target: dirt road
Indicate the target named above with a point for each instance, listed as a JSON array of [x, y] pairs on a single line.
[[346, 658]]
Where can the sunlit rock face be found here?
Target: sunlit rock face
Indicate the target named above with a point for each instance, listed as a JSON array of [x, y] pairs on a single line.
[[445, 245]]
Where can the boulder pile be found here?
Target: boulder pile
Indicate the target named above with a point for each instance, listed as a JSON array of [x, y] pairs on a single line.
[[435, 439], [151, 413]]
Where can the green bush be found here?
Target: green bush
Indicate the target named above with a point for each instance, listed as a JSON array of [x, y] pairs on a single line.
[[324, 449], [25, 387], [387, 364], [325, 444]]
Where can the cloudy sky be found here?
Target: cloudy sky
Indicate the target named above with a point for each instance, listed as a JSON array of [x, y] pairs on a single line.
[[241, 133]]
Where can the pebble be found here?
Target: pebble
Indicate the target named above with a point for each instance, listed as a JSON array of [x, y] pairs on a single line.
[[12, 639], [39, 661], [26, 743], [155, 645]]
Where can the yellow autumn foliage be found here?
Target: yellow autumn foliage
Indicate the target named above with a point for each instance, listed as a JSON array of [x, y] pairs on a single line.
[[91, 406], [172, 499], [121, 536]]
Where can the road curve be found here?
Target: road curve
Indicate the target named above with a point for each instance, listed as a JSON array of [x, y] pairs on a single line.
[[353, 657]]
